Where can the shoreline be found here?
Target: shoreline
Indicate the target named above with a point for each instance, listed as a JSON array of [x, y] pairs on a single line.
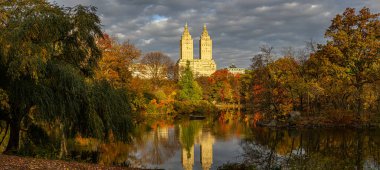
[[20, 162], [314, 123]]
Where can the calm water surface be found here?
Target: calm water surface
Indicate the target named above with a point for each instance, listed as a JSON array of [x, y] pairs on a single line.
[[195, 144], [208, 144]]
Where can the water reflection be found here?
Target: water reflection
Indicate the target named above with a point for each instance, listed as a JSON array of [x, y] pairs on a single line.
[[209, 144], [189, 145], [313, 149], [194, 134], [154, 147]]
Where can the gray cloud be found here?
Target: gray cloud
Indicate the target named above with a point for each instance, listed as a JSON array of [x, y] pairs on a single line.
[[237, 27]]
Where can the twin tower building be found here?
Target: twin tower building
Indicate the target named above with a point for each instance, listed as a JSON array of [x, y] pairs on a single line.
[[205, 65]]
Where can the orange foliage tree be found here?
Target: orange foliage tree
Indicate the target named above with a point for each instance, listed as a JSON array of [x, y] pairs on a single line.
[[116, 61], [221, 86], [341, 76]]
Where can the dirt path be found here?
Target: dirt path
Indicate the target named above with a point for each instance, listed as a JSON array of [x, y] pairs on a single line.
[[17, 162]]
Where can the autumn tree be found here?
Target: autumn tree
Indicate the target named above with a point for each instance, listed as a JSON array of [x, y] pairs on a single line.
[[262, 85], [341, 76], [116, 61], [292, 69], [221, 86], [289, 94], [351, 54], [157, 66]]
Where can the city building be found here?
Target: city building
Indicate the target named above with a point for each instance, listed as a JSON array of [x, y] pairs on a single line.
[[205, 65], [234, 70], [144, 71]]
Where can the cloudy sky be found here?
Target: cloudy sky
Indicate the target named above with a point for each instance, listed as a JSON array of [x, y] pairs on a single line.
[[238, 27]]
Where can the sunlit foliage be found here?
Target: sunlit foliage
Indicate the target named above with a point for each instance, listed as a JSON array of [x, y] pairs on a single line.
[[48, 56], [116, 61], [189, 88], [339, 76]]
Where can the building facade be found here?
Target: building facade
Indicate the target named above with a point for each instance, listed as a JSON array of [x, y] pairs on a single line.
[[234, 70], [144, 71], [205, 65]]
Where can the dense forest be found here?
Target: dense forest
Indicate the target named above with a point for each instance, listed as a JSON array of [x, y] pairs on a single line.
[[62, 77]]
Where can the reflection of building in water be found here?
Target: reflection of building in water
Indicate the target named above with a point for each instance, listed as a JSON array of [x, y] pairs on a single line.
[[188, 158], [163, 132], [206, 141]]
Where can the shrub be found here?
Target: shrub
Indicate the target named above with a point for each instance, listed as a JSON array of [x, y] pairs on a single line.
[[340, 116], [198, 106]]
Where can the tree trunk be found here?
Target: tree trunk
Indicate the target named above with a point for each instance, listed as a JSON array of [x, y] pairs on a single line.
[[14, 137], [359, 102], [5, 134], [63, 150]]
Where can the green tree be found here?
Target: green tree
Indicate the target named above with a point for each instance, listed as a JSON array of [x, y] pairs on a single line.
[[35, 38], [189, 88], [188, 133]]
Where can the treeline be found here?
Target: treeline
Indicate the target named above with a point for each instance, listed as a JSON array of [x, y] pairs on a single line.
[[222, 87], [338, 78]]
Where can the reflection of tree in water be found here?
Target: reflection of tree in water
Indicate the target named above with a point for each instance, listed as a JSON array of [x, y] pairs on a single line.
[[188, 132], [313, 149], [229, 124], [163, 146], [162, 143], [264, 156]]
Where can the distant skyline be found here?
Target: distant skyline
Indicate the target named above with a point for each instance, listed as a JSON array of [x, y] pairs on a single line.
[[238, 27]]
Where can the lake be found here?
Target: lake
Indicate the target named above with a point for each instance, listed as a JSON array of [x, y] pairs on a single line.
[[211, 143]]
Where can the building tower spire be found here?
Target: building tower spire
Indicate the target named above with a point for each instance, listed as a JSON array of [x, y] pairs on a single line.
[[205, 45], [186, 32], [204, 33], [205, 65], [186, 45]]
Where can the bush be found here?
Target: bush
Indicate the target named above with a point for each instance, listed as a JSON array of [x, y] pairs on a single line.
[[160, 95], [183, 107], [198, 106], [340, 116]]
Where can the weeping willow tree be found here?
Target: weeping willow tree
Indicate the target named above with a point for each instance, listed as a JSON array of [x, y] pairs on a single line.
[[113, 106], [47, 58]]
